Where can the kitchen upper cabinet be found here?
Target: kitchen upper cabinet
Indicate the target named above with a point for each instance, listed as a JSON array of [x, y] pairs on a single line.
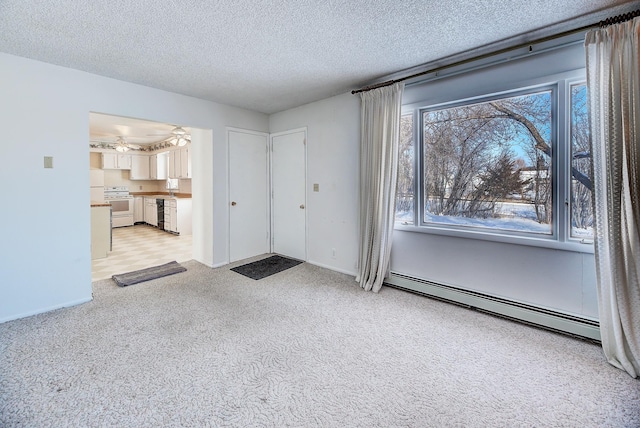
[[116, 161], [140, 167], [159, 166], [185, 162], [180, 163], [153, 167], [174, 163]]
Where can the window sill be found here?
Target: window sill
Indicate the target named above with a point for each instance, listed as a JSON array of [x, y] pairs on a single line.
[[573, 245]]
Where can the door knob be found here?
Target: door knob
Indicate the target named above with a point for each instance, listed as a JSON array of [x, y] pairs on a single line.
[[233, 204], [302, 206]]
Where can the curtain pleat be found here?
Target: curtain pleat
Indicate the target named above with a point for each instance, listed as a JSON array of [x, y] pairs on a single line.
[[380, 133], [613, 81]]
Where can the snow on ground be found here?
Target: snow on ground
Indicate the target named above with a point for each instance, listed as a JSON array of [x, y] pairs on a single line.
[[520, 217]]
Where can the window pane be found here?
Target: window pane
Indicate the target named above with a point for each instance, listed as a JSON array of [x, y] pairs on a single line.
[[581, 203], [405, 192], [489, 164]]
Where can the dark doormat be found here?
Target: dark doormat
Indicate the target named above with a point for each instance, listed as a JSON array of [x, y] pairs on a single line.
[[147, 274], [266, 267]]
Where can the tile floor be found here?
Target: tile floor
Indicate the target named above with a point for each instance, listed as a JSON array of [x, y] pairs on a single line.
[[138, 247]]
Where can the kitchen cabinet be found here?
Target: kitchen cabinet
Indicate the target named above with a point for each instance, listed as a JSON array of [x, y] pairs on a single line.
[[116, 161], [174, 163], [158, 166], [151, 211], [180, 162], [170, 215], [185, 162], [100, 231], [138, 209], [140, 167], [177, 216]]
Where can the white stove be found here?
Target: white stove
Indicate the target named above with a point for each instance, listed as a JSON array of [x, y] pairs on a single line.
[[121, 205]]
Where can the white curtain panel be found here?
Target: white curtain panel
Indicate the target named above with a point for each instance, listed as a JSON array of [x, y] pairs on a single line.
[[613, 80], [380, 132]]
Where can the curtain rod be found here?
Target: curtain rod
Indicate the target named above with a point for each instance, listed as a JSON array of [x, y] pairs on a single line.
[[605, 23]]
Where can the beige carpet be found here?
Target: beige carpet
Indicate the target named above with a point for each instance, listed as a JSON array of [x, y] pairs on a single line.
[[305, 347]]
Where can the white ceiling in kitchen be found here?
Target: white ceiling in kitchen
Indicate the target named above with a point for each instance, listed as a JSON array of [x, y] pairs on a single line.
[[106, 129]]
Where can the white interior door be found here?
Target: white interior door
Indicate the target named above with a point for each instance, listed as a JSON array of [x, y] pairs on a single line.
[[288, 178], [248, 194]]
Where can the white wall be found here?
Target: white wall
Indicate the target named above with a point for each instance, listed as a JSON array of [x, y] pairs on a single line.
[[555, 279], [333, 134], [45, 243]]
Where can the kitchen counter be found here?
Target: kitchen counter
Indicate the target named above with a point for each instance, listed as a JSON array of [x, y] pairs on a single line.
[[99, 204]]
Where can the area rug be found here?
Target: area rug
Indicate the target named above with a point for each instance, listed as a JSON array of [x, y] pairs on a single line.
[[148, 274], [266, 267]]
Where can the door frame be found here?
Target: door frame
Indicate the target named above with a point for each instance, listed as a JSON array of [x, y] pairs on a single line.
[[230, 129], [306, 178]]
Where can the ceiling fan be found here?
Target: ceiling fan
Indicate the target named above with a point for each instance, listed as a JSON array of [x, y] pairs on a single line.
[[177, 137], [122, 146]]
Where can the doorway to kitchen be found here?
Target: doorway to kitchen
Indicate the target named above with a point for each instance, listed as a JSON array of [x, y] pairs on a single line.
[[145, 161]]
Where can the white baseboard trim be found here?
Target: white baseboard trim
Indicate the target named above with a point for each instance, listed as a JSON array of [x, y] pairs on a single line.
[[545, 318], [346, 272], [46, 309], [217, 265]]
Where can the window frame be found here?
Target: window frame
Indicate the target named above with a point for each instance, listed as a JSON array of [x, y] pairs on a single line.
[[560, 237], [571, 83]]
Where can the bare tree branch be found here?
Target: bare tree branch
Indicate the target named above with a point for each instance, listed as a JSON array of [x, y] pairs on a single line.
[[581, 177], [540, 143]]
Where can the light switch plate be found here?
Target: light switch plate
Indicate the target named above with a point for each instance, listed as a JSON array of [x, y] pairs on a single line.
[[316, 187], [48, 161]]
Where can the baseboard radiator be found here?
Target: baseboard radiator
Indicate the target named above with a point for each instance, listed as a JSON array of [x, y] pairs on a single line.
[[539, 317]]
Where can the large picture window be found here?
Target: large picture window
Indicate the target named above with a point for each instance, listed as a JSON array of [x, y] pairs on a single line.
[[507, 164], [489, 164]]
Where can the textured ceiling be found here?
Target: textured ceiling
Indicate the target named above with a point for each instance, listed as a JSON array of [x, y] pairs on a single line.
[[270, 55]]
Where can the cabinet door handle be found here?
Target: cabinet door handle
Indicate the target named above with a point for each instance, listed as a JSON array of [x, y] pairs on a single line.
[[233, 204], [302, 206]]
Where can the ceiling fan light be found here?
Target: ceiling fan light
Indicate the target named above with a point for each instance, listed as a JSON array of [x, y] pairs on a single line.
[[121, 145]]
